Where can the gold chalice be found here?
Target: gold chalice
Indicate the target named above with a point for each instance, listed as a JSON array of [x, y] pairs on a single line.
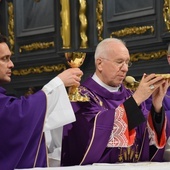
[[75, 60]]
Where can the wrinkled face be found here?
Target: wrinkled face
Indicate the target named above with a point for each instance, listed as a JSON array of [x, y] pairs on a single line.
[[5, 63], [168, 59], [112, 68]]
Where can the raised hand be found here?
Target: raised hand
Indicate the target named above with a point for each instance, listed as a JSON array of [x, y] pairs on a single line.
[[71, 77], [159, 94], [147, 85]]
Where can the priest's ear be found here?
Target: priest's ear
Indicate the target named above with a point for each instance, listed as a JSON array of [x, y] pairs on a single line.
[[99, 63]]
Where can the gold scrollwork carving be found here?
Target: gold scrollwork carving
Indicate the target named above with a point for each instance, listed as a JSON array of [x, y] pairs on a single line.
[[148, 56], [38, 70], [132, 30], [65, 19], [166, 13], [11, 26], [99, 12], [36, 46], [83, 23]]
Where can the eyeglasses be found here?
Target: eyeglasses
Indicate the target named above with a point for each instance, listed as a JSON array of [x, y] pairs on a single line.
[[120, 63]]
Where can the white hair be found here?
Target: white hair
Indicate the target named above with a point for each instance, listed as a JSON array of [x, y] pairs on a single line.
[[105, 46]]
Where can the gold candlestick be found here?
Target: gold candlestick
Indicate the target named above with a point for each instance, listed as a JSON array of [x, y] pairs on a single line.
[[75, 60]]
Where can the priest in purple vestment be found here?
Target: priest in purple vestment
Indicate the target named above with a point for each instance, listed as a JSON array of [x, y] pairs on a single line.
[[166, 101], [166, 104], [24, 120], [114, 125]]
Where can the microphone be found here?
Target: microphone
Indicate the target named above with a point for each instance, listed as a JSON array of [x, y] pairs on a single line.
[[131, 80]]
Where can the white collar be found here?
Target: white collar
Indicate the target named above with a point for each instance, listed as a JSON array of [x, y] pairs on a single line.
[[109, 88]]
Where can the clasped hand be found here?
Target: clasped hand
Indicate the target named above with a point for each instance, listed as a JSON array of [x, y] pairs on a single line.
[[152, 85]]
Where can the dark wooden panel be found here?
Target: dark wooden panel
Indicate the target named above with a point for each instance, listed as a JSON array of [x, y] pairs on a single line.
[[126, 9], [34, 18]]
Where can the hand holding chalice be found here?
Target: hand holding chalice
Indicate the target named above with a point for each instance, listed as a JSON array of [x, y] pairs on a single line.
[[75, 60]]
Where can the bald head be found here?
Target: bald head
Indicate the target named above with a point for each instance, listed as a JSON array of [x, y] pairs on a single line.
[[108, 45], [111, 61]]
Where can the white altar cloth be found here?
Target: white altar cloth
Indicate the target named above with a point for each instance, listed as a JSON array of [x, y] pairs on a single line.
[[121, 166]]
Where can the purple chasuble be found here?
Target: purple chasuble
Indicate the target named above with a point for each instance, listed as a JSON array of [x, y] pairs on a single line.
[[22, 143], [166, 104], [166, 100], [85, 140]]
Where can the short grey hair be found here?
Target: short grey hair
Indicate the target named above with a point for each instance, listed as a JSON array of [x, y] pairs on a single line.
[[105, 45]]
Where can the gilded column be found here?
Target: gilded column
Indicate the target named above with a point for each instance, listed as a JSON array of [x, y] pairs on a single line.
[[83, 23], [65, 19], [11, 26], [99, 13], [166, 13]]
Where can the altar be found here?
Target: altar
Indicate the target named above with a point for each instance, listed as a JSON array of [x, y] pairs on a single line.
[[120, 166]]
